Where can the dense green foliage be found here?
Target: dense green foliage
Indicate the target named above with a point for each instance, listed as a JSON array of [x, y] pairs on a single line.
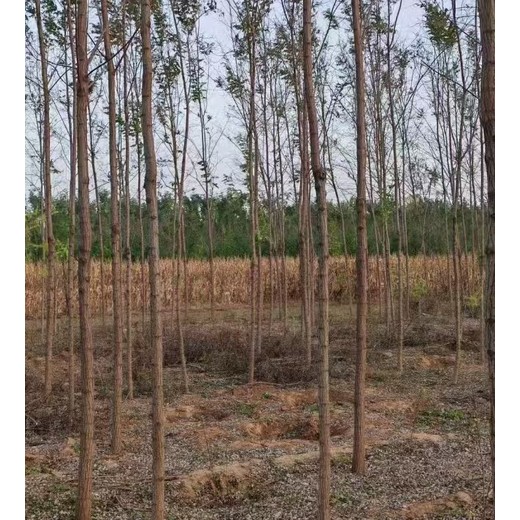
[[428, 221]]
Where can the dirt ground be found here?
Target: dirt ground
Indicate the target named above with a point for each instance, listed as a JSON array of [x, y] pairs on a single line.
[[249, 452]]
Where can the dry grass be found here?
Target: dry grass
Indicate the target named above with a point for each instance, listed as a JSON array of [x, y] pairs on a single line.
[[429, 281]]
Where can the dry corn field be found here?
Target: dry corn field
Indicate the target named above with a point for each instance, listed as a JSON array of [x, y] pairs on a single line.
[[428, 279]]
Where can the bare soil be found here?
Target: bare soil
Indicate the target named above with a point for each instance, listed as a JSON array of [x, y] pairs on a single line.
[[238, 451]]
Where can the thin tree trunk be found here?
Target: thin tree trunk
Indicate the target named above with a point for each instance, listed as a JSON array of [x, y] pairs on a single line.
[[404, 227], [259, 276], [282, 233], [209, 209], [305, 261], [358, 459], [487, 30], [128, 245], [155, 281], [181, 244], [376, 237], [51, 244], [483, 353], [139, 151], [71, 114], [320, 181], [116, 433], [400, 325], [86, 455], [456, 194], [251, 45], [304, 193], [99, 218]]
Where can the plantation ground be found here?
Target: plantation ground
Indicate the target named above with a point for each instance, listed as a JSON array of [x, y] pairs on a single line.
[[235, 451]]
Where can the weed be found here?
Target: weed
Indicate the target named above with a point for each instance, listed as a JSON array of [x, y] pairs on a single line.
[[472, 305], [419, 290]]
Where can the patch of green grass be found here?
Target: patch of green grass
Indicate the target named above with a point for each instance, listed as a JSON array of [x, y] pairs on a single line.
[[345, 499], [245, 409], [313, 408], [459, 513], [444, 418], [60, 487], [58, 502], [378, 378], [33, 470], [341, 460]]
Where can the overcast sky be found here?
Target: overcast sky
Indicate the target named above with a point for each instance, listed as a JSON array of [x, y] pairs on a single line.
[[227, 157]]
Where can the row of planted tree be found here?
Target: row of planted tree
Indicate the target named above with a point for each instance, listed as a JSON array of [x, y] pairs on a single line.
[[426, 232], [339, 91]]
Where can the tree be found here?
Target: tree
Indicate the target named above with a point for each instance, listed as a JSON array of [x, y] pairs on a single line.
[[116, 236], [487, 115], [251, 22], [127, 246], [320, 183], [154, 273], [84, 503], [358, 458], [304, 218], [51, 244], [397, 192], [72, 119]]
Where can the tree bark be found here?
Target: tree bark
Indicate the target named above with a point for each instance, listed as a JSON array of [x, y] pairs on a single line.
[[72, 214], [181, 246], [51, 244], [252, 174], [400, 326], [358, 459], [116, 239], [128, 245], [154, 273], [84, 502], [320, 179], [487, 107], [99, 217]]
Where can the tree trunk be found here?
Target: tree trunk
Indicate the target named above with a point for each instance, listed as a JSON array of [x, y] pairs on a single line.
[[208, 202], [71, 113], [116, 239], [128, 245], [99, 219], [487, 30], [358, 459], [251, 44], [154, 273], [51, 244], [181, 245], [84, 502], [305, 261], [282, 233], [397, 196], [482, 256], [320, 180]]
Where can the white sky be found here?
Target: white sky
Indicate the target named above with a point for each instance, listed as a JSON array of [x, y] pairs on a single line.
[[227, 157]]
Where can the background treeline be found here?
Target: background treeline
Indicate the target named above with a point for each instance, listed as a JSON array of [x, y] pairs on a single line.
[[428, 226]]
